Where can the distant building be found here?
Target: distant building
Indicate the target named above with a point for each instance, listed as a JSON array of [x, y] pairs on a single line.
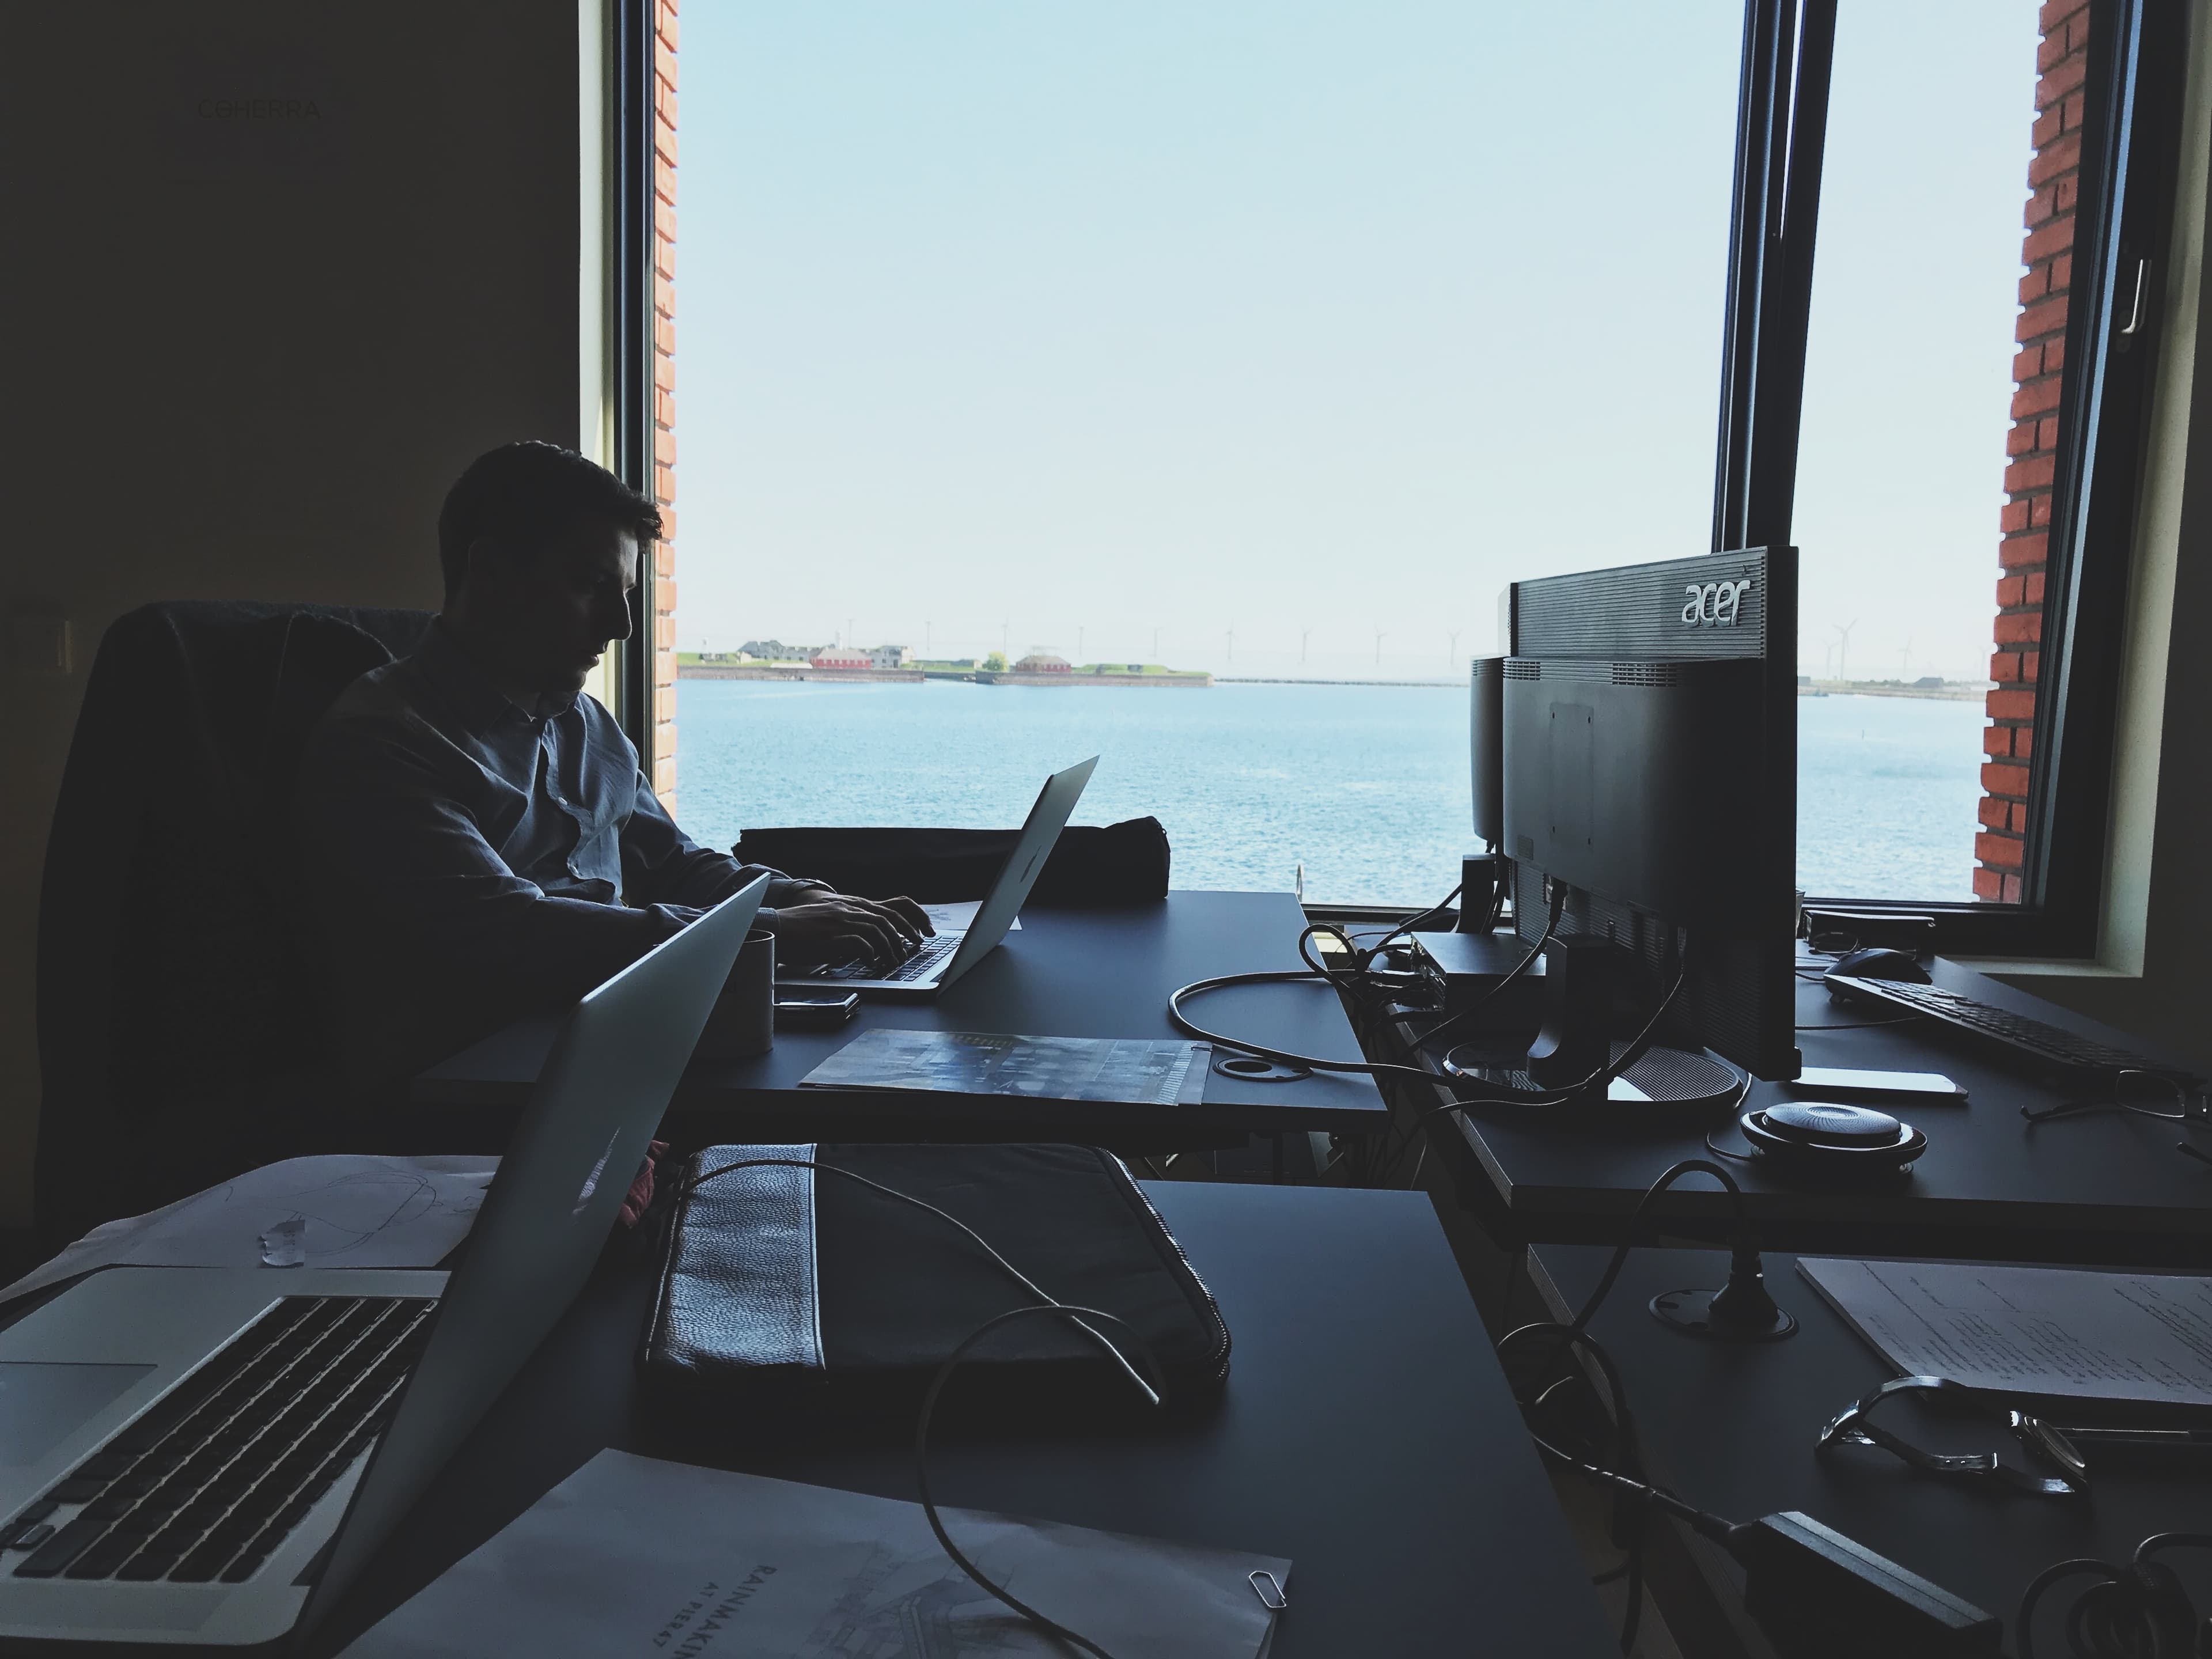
[[1927, 683], [1043, 662], [839, 656], [777, 651], [889, 656]]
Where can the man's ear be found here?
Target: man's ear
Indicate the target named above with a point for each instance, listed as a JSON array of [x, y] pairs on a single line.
[[488, 568]]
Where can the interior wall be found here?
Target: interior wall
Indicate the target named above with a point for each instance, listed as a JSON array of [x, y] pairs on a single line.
[[274, 273]]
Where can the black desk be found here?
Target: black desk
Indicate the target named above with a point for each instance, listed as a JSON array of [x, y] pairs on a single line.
[[2103, 1188], [1065, 972], [1366, 1433], [1732, 1427]]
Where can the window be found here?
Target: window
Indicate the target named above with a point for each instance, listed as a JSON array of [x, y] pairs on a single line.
[[1955, 742], [1920, 405], [1267, 342]]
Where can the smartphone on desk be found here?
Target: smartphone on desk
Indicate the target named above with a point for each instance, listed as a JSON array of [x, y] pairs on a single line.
[[1834, 1083], [814, 1010]]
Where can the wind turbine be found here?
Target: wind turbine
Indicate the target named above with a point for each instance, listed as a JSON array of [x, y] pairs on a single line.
[[1452, 656], [1304, 634], [1379, 637], [1844, 652], [1231, 655]]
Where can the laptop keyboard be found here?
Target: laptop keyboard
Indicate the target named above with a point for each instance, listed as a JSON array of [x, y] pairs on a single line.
[[924, 963], [211, 1479]]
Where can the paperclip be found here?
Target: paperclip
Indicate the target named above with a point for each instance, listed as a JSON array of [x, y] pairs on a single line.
[[1270, 1593]]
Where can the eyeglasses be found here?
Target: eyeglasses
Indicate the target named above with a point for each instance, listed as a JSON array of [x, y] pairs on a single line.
[[2046, 1443]]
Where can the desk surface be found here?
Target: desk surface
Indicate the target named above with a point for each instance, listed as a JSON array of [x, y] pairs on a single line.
[[1731, 1426], [1366, 1433], [2107, 1187], [1065, 972]]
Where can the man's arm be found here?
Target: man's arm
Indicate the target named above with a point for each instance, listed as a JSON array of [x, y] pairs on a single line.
[[813, 923], [661, 865], [434, 937]]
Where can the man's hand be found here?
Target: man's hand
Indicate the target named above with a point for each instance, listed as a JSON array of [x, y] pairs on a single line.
[[832, 928]]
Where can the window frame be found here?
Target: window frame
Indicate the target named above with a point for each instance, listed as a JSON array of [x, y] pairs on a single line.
[[2131, 139], [631, 24], [2131, 152]]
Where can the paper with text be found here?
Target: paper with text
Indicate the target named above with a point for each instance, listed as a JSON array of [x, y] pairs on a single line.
[[355, 1210], [1131, 1070], [958, 915], [2136, 1337], [631, 1558]]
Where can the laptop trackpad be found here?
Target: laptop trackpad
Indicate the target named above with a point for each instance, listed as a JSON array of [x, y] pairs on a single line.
[[41, 1404]]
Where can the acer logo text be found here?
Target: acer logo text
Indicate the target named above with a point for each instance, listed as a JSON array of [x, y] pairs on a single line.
[[1714, 605]]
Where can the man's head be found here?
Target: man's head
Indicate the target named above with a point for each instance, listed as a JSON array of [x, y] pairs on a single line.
[[540, 550]]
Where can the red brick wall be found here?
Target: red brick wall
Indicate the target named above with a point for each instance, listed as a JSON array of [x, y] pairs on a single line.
[[663, 399], [2031, 446]]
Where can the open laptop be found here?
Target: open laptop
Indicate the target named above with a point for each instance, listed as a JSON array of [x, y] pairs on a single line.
[[206, 1457], [943, 957]]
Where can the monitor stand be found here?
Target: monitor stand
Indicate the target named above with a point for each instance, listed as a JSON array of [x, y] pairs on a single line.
[[1576, 1042], [1672, 1078]]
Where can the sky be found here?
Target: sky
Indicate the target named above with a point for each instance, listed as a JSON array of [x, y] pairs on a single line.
[[1276, 336]]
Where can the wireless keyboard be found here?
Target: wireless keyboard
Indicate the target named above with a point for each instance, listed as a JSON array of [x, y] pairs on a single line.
[[2076, 1059]]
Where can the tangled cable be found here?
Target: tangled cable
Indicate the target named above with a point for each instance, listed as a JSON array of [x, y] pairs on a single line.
[[2138, 1611]]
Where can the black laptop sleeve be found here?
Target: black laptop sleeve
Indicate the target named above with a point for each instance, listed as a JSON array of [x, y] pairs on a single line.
[[1091, 865], [781, 1279]]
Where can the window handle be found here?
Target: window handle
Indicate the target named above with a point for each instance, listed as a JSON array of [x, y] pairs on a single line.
[[2135, 311]]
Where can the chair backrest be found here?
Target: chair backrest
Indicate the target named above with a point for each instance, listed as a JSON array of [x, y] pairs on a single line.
[[169, 990]]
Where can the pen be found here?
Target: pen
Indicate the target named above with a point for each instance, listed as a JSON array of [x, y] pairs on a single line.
[[2090, 1437]]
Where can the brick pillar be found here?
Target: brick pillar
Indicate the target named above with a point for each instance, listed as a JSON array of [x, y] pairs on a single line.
[[664, 399], [2031, 446]]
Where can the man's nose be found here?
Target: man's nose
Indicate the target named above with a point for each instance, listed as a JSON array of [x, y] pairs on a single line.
[[614, 618]]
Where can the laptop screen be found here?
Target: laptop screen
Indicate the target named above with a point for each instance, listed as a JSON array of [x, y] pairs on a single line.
[[602, 1093]]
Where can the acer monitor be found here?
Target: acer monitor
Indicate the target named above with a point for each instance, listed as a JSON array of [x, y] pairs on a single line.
[[1650, 738]]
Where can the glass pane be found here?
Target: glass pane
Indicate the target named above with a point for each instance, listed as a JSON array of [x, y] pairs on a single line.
[[1930, 420], [1258, 340]]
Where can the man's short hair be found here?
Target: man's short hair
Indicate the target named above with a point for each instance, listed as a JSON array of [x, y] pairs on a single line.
[[522, 495]]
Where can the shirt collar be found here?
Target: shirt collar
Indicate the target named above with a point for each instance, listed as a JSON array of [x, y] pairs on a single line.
[[481, 704]]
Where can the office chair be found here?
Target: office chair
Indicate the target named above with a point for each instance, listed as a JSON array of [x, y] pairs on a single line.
[[178, 1039]]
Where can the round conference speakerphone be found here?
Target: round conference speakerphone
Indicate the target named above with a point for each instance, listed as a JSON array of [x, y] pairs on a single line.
[[1817, 1138]]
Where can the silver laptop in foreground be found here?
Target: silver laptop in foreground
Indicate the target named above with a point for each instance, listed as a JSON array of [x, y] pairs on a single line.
[[206, 1456], [943, 957]]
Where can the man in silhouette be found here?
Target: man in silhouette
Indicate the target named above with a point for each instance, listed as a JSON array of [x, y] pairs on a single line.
[[478, 841]]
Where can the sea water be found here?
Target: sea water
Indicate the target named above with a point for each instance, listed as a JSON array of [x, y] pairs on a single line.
[[1364, 788]]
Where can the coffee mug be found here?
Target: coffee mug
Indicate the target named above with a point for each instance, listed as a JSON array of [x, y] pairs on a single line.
[[742, 1023]]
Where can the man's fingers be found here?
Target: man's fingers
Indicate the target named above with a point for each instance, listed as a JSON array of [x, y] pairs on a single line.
[[885, 916], [911, 913], [859, 926], [883, 939]]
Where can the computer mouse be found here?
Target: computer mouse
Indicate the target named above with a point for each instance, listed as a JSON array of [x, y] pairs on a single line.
[[1881, 963]]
